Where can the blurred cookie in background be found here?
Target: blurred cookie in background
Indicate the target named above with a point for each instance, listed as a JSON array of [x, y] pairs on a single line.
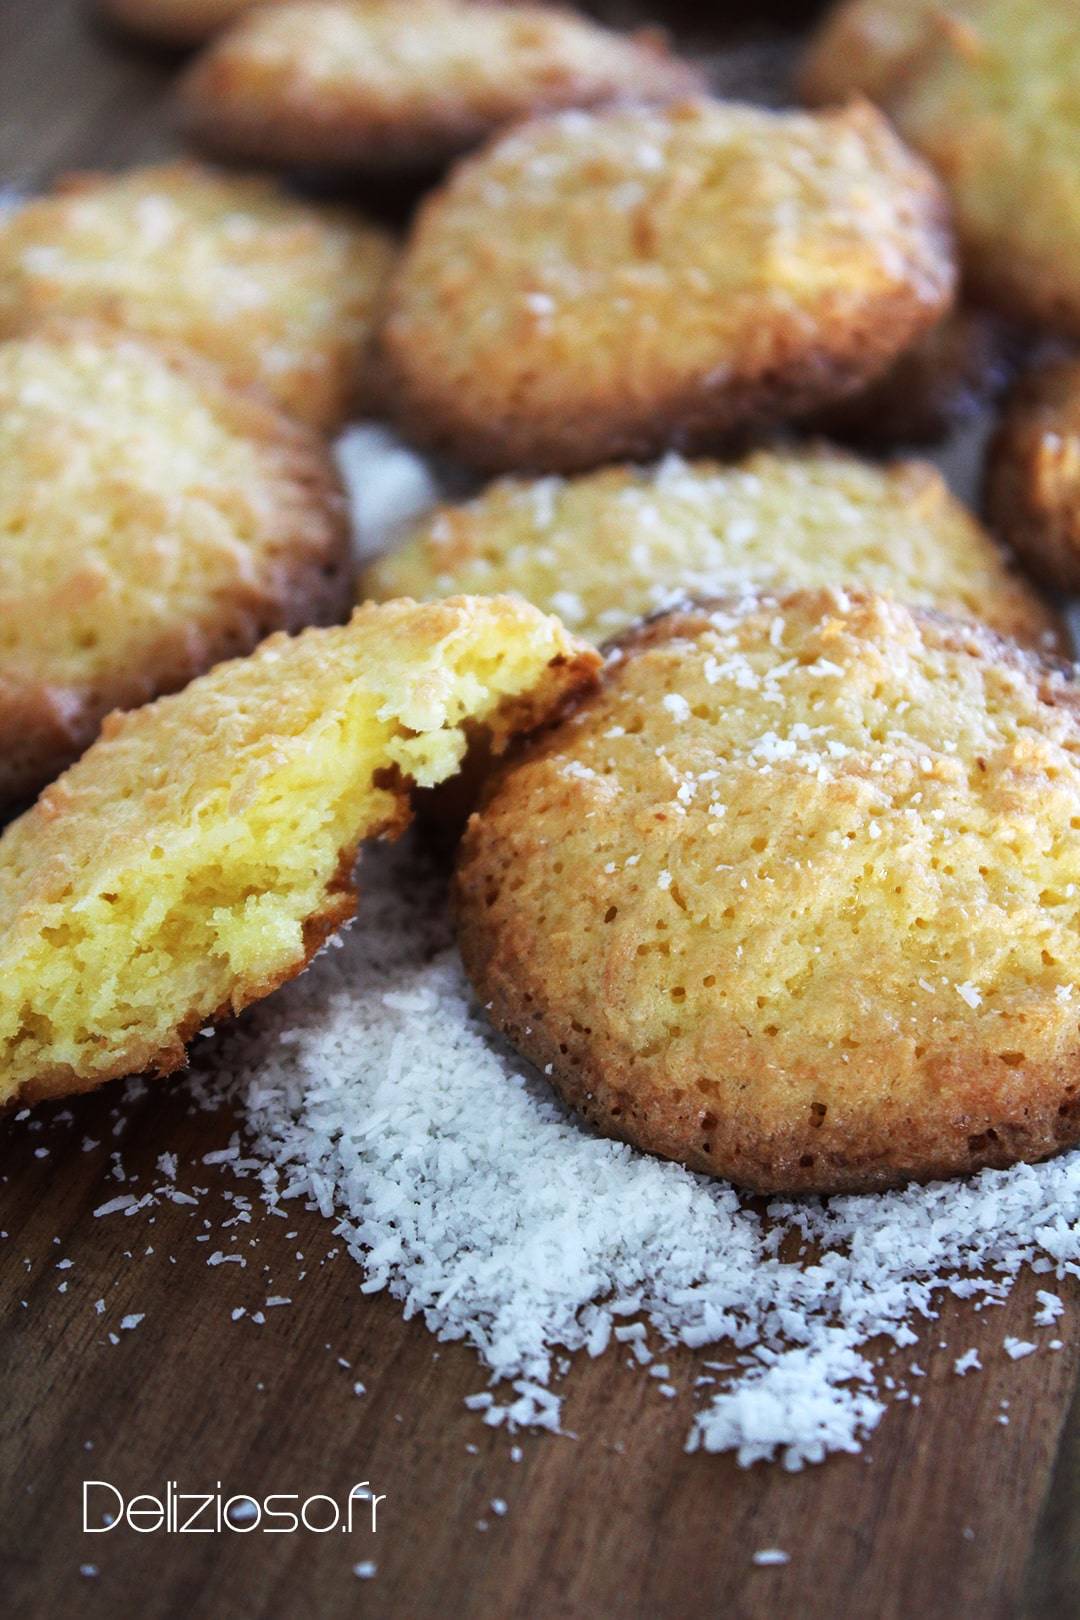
[[280, 293], [993, 105], [359, 85], [601, 285], [986, 90], [864, 47], [175, 23], [1033, 473], [944, 380]]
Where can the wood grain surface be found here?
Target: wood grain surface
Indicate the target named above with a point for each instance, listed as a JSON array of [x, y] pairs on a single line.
[[948, 1512]]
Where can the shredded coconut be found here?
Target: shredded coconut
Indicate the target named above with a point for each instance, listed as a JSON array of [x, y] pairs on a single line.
[[115, 1205], [389, 485], [1050, 1308]]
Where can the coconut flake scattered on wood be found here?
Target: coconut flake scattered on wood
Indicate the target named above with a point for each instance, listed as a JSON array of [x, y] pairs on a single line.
[[374, 1090]]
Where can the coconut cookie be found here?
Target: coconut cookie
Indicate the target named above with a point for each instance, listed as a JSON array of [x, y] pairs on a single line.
[[1033, 474], [174, 22], [792, 897], [993, 105], [201, 851], [373, 84], [153, 520], [986, 90], [602, 285], [609, 547], [866, 47], [279, 293]]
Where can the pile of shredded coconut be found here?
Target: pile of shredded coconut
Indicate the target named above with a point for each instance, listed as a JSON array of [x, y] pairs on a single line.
[[374, 1089]]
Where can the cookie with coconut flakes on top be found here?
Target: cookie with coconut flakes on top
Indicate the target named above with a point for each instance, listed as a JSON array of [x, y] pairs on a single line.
[[592, 286], [1033, 473], [279, 293], [791, 897], [985, 90], [374, 85], [202, 849], [153, 520], [609, 547]]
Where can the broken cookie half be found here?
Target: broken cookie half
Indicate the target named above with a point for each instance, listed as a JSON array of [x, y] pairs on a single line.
[[201, 851]]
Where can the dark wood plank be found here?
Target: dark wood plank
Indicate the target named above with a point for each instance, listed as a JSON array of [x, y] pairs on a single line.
[[73, 96], [1052, 1584], [938, 1517], [934, 1519]]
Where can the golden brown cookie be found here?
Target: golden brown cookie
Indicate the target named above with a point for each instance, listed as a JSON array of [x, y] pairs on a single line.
[[986, 90], [153, 520], [865, 47], [993, 105], [373, 84], [792, 897], [601, 285], [202, 849], [609, 547], [178, 23], [1033, 474], [281, 294]]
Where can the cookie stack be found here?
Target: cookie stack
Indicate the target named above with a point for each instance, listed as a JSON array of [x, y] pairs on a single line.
[[782, 885]]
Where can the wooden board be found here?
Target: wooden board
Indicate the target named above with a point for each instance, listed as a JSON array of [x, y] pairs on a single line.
[[947, 1513]]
